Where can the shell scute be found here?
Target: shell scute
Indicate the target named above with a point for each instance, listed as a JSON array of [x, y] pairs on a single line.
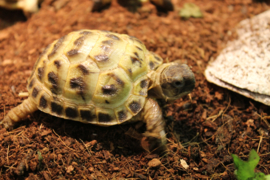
[[107, 50], [135, 104], [77, 50], [56, 73], [88, 114], [154, 60], [141, 86], [57, 108], [106, 116], [81, 81], [71, 111], [122, 114], [57, 48], [43, 100], [114, 87]]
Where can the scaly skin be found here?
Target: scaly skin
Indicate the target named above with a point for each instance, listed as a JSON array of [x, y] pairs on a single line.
[[155, 134], [19, 113]]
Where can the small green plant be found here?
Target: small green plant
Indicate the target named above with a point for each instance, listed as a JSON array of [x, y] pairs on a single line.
[[245, 169], [40, 159]]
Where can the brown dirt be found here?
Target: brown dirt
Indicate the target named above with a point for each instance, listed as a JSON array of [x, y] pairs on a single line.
[[203, 131]]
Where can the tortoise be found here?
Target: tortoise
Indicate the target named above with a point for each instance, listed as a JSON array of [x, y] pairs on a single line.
[[28, 6], [103, 78]]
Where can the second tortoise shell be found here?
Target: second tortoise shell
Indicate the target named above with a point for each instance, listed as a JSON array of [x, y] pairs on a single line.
[[93, 76]]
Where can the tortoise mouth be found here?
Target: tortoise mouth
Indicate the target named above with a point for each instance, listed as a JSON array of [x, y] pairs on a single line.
[[174, 93]]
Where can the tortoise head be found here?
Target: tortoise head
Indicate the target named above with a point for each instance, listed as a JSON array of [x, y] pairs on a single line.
[[173, 81]]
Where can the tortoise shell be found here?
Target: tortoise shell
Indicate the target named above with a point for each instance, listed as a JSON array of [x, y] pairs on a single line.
[[93, 76]]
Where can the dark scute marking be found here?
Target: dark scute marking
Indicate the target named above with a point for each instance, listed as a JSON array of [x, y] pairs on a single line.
[[78, 42], [57, 64], [56, 46], [87, 115], [56, 108], [40, 72], [157, 58], [71, 112], [143, 83], [135, 106], [104, 117], [136, 54], [113, 36], [72, 52], [139, 48], [55, 98], [31, 83], [84, 70], [108, 42], [152, 65], [53, 78], [119, 81], [85, 32], [101, 57], [40, 57], [135, 39], [130, 70], [45, 50], [77, 83], [43, 102], [35, 92], [109, 89], [122, 115], [135, 59], [132, 37], [138, 41], [107, 102]]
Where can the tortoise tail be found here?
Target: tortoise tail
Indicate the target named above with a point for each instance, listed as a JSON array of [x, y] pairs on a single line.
[[18, 113]]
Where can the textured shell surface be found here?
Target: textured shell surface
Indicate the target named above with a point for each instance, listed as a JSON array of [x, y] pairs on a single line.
[[93, 76]]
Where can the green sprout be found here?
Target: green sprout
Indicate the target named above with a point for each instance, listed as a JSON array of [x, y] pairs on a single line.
[[40, 159], [245, 169]]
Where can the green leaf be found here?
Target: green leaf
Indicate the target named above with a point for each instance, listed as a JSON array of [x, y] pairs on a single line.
[[267, 177], [245, 169], [253, 159], [190, 10]]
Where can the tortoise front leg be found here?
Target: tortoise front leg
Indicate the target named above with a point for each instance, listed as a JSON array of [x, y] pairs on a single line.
[[155, 133]]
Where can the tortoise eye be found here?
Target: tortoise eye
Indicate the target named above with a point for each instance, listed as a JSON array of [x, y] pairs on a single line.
[[178, 84]]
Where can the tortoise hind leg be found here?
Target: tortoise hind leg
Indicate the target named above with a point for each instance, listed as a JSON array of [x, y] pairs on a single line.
[[18, 113], [155, 133]]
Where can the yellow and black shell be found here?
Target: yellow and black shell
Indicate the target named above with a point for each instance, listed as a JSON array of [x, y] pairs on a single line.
[[93, 76]]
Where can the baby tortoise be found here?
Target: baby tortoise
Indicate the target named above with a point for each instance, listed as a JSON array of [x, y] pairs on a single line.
[[28, 6], [103, 78]]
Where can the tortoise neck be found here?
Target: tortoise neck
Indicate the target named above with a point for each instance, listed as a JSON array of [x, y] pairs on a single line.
[[155, 89]]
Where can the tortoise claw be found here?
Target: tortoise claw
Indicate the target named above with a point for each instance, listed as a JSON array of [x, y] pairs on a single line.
[[154, 145]]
